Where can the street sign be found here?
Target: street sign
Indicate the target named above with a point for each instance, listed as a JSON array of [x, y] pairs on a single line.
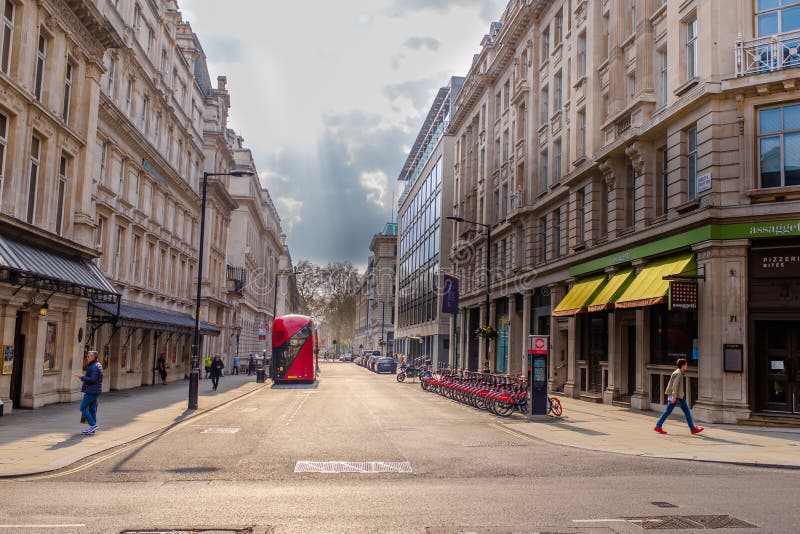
[[262, 334], [538, 344]]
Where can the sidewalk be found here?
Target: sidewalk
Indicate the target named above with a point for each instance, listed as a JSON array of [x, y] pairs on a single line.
[[600, 427], [36, 441]]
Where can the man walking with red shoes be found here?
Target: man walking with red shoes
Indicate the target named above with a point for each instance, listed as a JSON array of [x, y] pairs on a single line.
[[676, 395]]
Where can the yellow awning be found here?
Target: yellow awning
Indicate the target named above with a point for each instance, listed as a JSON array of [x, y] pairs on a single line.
[[649, 286], [576, 299], [611, 291]]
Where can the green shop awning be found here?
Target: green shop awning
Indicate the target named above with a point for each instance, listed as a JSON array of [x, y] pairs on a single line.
[[611, 291], [649, 287], [579, 296]]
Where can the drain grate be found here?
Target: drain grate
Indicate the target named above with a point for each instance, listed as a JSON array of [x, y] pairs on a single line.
[[306, 466], [702, 522], [663, 504]]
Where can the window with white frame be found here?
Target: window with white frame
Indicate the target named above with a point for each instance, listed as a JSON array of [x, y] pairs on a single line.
[[779, 146], [691, 162], [117, 269], [121, 178], [103, 161], [137, 245], [777, 16], [543, 170], [662, 82], [67, 92], [99, 233], [544, 95], [559, 27], [129, 97], [556, 161], [662, 183], [546, 43], [6, 43], [690, 47], [41, 58], [3, 149], [631, 14], [110, 75], [582, 54], [557, 92], [581, 132], [144, 113], [33, 178], [61, 200]]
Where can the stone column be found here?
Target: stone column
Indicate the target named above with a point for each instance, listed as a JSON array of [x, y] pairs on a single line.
[[525, 331], [612, 390], [88, 107], [74, 321], [35, 337], [640, 399], [722, 318], [8, 318]]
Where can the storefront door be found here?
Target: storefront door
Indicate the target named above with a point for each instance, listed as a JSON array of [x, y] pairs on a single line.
[[19, 359], [778, 365]]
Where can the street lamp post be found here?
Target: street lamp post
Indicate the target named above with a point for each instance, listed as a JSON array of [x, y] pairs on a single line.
[[488, 269], [194, 375]]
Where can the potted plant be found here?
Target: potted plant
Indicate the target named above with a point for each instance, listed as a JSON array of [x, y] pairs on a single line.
[[486, 332]]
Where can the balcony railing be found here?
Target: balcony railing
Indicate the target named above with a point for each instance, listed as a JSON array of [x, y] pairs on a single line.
[[767, 54]]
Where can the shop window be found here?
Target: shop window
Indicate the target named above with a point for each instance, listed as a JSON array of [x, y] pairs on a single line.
[[655, 389], [673, 336]]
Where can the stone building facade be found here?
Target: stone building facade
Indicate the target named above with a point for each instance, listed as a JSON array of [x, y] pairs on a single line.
[[421, 329], [108, 120], [657, 198], [375, 300]]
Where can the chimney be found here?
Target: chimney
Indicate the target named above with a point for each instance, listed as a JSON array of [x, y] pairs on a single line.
[[222, 82]]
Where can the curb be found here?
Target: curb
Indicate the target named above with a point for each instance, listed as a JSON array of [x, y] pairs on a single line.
[[116, 447], [652, 455]]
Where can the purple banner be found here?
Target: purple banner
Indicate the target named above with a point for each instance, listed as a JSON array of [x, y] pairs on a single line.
[[450, 294]]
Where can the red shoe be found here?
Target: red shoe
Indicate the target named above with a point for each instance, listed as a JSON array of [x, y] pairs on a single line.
[[697, 430], [660, 430]]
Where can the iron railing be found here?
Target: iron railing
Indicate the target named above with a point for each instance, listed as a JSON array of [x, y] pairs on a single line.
[[767, 54]]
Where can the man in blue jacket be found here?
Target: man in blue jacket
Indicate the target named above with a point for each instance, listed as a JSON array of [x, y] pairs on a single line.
[[92, 387]]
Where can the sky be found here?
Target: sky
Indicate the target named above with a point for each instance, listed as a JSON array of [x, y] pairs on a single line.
[[330, 95]]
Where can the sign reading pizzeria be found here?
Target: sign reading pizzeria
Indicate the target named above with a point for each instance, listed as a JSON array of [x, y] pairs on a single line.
[[775, 262], [682, 295]]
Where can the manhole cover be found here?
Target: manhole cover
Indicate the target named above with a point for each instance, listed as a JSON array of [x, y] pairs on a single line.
[[220, 431], [703, 522], [306, 466], [662, 504]]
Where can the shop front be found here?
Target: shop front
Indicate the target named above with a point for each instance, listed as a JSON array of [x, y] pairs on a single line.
[[774, 309]]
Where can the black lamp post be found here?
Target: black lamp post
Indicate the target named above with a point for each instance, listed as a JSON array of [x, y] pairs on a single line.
[[194, 375], [488, 269]]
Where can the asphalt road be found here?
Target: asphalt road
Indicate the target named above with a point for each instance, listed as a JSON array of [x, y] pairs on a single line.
[[234, 468]]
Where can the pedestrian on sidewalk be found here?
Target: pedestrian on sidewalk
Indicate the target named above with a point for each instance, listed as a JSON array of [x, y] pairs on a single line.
[[92, 387], [207, 364], [162, 368], [676, 395], [216, 371], [235, 365], [251, 366]]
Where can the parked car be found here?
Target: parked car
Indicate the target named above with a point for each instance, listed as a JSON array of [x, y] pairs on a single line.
[[345, 357], [386, 365]]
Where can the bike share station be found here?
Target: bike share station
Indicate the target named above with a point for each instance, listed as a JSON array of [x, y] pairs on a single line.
[[538, 356]]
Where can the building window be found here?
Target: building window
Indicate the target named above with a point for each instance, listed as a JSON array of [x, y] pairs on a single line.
[[631, 82], [143, 114], [3, 146], [63, 170], [545, 96], [582, 54], [544, 252], [498, 105], [691, 48], [137, 243], [631, 17], [117, 269], [777, 16], [507, 95], [557, 92], [111, 74], [559, 27], [603, 209], [121, 180], [605, 43], [33, 178], [582, 132], [630, 213], [8, 37], [67, 92], [556, 161], [691, 163], [557, 232], [41, 57], [662, 183], [546, 44], [779, 146], [543, 170], [103, 161], [662, 82], [673, 335]]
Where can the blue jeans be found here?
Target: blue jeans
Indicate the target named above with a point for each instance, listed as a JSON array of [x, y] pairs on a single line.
[[89, 407], [670, 407]]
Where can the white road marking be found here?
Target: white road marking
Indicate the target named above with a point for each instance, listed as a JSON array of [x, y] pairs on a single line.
[[63, 525], [307, 466], [600, 520], [233, 430], [297, 410]]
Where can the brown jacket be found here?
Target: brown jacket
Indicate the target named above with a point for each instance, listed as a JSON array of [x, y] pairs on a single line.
[[675, 385]]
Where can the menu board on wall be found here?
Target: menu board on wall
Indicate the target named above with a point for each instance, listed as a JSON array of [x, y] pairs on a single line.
[[8, 359]]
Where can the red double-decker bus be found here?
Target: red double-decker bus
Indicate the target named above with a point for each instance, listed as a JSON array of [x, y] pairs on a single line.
[[294, 350]]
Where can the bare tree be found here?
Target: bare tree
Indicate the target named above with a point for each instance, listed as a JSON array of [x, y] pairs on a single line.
[[328, 295]]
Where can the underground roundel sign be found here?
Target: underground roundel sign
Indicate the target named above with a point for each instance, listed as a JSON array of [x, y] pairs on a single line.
[[538, 344]]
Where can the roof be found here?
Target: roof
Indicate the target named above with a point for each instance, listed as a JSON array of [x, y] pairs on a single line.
[[434, 117], [27, 265]]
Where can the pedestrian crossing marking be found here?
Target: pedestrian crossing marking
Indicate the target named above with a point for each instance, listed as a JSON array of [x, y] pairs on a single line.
[[220, 431], [306, 466]]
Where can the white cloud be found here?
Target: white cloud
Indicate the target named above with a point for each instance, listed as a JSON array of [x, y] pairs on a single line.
[[375, 184], [290, 210]]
